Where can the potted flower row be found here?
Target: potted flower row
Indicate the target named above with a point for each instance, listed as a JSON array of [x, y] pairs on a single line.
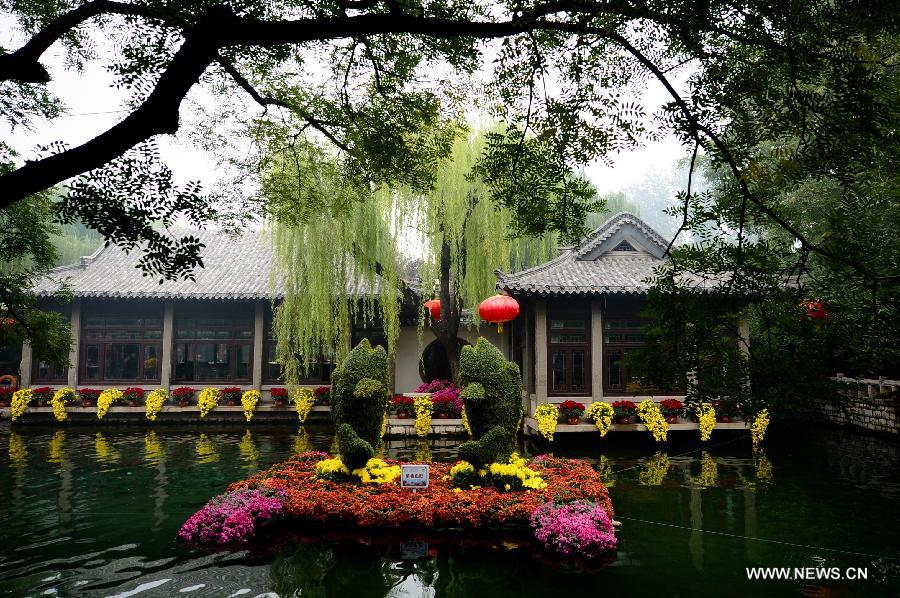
[[402, 406], [726, 410], [444, 407], [671, 409], [624, 412], [571, 411], [323, 395]]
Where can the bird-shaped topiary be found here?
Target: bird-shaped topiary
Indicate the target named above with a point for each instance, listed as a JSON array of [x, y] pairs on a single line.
[[492, 396], [360, 391]]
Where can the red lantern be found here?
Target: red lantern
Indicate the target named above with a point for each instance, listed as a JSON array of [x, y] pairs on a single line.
[[498, 309], [815, 311], [434, 306]]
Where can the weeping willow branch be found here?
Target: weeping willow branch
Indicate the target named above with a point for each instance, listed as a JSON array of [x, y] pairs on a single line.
[[339, 250]]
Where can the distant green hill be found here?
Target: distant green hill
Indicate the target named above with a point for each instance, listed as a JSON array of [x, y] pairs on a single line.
[[75, 241]]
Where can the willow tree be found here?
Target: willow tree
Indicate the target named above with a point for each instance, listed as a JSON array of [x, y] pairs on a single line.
[[340, 247]]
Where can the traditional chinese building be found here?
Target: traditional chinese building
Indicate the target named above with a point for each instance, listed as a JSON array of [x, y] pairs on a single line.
[[581, 313], [216, 330]]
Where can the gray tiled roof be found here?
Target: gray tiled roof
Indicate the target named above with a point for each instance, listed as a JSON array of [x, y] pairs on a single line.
[[592, 267], [235, 267]]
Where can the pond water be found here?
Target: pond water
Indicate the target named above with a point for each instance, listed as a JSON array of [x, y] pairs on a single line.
[[94, 512]]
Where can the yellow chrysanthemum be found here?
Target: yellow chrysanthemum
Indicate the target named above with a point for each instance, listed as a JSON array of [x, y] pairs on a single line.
[[601, 414], [249, 400], [304, 399], [62, 396], [155, 402], [547, 415], [377, 471], [653, 418], [20, 400], [106, 400], [759, 426], [707, 416], [423, 407], [208, 400]]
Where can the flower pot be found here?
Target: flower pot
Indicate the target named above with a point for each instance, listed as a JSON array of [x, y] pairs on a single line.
[[402, 414], [41, 403], [279, 402], [132, 403], [87, 403], [442, 415], [624, 420], [4, 403], [184, 403], [231, 403], [572, 420], [724, 419], [671, 419]]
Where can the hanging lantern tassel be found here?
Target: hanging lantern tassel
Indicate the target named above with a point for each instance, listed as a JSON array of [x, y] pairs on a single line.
[[498, 309]]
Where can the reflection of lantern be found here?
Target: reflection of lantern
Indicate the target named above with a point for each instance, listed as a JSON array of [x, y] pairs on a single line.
[[815, 311], [498, 309], [434, 307]]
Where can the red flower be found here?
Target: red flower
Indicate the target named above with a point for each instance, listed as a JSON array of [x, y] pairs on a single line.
[[183, 392], [572, 405], [230, 394], [88, 393], [401, 401], [624, 409], [44, 393], [278, 393], [322, 390], [133, 393], [671, 406]]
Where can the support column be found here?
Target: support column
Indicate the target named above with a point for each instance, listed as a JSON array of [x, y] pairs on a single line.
[[540, 351], [596, 350], [259, 332], [527, 351], [75, 350], [25, 366], [168, 344]]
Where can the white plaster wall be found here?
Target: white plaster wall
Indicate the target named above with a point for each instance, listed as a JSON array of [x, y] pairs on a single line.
[[406, 363]]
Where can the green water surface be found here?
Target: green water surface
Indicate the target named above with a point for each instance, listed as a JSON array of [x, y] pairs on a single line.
[[95, 511]]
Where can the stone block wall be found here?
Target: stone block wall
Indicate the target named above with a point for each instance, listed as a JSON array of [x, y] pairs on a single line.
[[878, 414]]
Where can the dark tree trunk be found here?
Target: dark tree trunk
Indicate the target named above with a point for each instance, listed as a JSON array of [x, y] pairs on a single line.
[[447, 329]]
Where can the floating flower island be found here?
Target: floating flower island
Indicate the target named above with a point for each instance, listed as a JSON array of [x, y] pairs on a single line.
[[561, 503]]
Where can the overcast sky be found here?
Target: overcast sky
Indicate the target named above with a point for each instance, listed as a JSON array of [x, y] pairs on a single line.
[[94, 104]]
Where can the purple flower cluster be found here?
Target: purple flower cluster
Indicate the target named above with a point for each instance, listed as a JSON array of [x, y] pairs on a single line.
[[578, 527], [433, 386], [231, 517], [444, 395]]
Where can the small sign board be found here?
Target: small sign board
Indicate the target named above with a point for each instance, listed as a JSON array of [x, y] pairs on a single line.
[[414, 476]]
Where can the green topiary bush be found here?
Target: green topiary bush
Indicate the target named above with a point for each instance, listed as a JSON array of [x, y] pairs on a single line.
[[360, 392], [492, 395], [497, 445], [355, 452]]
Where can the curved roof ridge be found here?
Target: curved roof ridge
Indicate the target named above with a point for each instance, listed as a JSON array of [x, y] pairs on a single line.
[[540, 267], [613, 224]]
